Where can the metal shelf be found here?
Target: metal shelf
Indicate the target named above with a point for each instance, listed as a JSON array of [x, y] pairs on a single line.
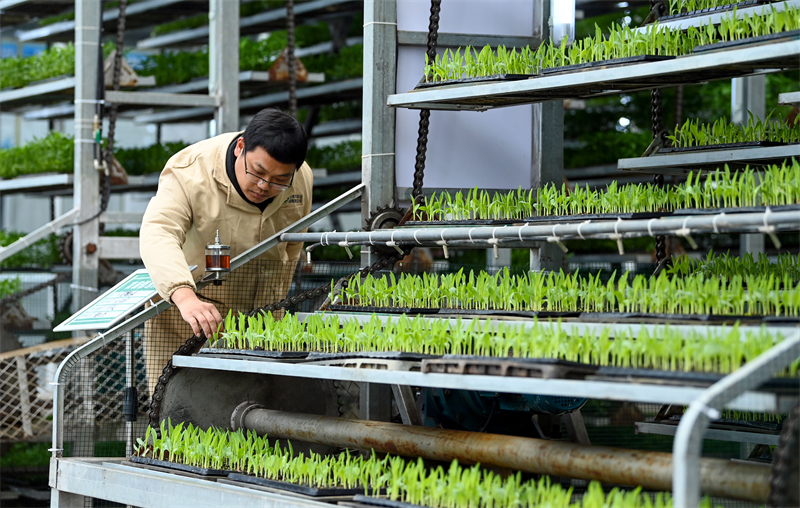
[[267, 21], [321, 94], [789, 99], [715, 434], [137, 15], [683, 163], [704, 19], [62, 184], [16, 12], [191, 94], [695, 68], [110, 479], [593, 389]]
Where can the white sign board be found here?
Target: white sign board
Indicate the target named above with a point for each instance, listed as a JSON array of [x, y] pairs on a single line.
[[113, 305], [492, 149]]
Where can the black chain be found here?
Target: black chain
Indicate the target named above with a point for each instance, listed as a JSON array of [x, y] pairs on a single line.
[[425, 114], [112, 115], [783, 474], [658, 126], [290, 57], [34, 289]]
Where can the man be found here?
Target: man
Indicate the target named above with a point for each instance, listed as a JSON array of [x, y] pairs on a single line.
[[246, 185]]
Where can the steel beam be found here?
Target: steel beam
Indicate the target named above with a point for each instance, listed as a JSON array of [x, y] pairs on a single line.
[[161, 99], [378, 131], [608, 390], [87, 178], [223, 65], [616, 466], [50, 228], [112, 480], [118, 247], [789, 99], [714, 434], [35, 93]]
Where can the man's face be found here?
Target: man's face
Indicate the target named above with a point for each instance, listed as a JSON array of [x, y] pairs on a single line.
[[256, 165]]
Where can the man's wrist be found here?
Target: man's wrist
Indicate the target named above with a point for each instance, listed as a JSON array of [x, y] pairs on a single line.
[[182, 294]]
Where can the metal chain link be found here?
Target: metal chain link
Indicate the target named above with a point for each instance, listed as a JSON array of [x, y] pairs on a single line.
[[658, 126], [425, 114], [290, 43]]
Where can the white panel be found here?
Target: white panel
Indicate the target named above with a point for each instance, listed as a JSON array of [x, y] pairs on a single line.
[[491, 149], [487, 17]]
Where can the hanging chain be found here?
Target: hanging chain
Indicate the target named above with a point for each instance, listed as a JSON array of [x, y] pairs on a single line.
[[658, 126], [290, 42], [425, 114]]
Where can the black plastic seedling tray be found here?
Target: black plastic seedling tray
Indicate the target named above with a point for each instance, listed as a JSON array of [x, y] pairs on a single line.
[[791, 34], [387, 355], [292, 487], [711, 10], [605, 63], [256, 352], [477, 80], [638, 316], [743, 209], [782, 384], [202, 471], [446, 311], [387, 503], [543, 368], [465, 222], [724, 146]]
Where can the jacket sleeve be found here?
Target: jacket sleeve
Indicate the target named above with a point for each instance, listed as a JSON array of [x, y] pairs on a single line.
[[167, 219], [293, 249]]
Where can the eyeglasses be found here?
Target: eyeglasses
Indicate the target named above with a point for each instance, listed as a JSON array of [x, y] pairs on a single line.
[[260, 181]]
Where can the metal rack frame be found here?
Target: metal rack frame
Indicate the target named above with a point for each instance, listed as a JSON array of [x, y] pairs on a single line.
[[683, 163]]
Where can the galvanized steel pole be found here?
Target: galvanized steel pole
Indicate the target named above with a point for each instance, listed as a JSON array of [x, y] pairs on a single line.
[[651, 470]]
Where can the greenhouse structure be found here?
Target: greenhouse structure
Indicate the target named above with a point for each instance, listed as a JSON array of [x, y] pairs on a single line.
[[400, 253]]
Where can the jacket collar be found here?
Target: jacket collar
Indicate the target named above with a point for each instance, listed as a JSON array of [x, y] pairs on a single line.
[[233, 198]]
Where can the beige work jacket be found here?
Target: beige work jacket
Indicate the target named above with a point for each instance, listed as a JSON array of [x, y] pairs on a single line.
[[195, 198]]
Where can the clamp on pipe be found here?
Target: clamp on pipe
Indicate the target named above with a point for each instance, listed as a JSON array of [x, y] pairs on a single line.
[[618, 237], [240, 412], [684, 232], [346, 246], [439, 242], [493, 242], [556, 240], [770, 230], [392, 243]]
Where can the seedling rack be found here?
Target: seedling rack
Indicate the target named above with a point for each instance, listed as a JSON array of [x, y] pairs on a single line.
[[710, 159], [202, 471], [293, 487]]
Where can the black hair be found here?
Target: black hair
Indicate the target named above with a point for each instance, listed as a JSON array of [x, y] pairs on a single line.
[[281, 135]]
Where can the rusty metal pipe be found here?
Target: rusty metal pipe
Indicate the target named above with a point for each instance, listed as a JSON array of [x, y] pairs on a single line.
[[652, 470]]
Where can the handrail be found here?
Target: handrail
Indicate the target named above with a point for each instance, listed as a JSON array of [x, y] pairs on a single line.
[[688, 442], [65, 367], [38, 234]]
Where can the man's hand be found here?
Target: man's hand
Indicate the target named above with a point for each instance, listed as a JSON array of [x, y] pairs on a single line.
[[200, 315]]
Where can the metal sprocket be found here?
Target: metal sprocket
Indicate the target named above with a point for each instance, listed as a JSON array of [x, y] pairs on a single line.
[[386, 217]]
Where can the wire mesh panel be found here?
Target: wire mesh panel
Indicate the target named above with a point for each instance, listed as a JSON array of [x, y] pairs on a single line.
[[25, 391]]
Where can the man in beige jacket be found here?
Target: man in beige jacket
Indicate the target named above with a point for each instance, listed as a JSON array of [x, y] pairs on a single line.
[[248, 186]]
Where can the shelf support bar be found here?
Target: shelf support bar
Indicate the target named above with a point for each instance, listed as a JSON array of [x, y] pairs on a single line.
[[223, 54], [694, 423], [378, 128]]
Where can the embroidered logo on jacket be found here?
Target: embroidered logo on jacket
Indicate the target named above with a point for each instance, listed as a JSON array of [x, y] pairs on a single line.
[[294, 198]]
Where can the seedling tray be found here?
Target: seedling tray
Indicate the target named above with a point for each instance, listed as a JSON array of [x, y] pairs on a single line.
[[791, 34], [638, 316], [514, 313], [605, 63], [725, 146], [383, 310], [744, 209], [737, 425], [444, 311], [543, 218], [719, 8], [481, 79], [543, 368], [388, 503], [256, 352], [202, 471], [292, 487], [387, 355]]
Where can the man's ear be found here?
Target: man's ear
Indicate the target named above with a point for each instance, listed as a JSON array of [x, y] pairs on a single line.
[[239, 146]]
